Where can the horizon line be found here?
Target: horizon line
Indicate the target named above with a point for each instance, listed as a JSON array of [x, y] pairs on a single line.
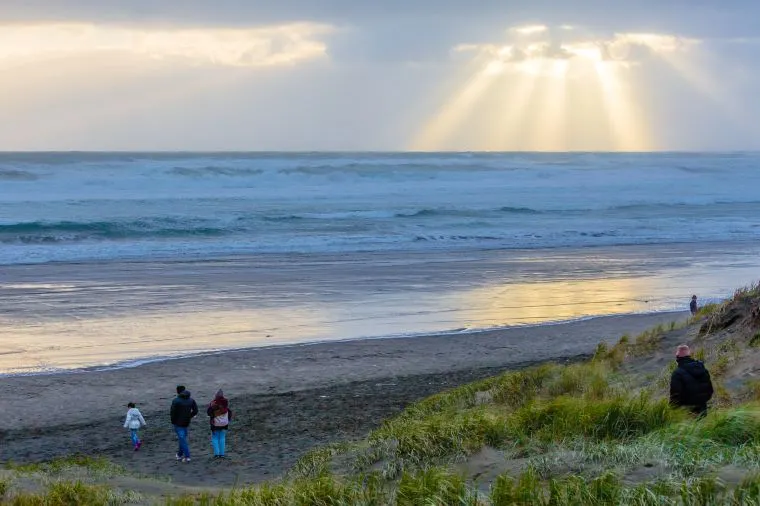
[[387, 151]]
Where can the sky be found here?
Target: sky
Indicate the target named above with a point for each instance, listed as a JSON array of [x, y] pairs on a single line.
[[423, 75]]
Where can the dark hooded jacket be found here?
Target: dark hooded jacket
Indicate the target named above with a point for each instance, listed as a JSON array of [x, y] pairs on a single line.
[[183, 409], [690, 384]]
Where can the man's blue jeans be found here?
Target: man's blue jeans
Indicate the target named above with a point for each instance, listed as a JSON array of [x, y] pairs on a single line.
[[184, 449]]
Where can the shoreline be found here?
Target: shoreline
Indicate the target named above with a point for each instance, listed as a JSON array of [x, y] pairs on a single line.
[[124, 315], [139, 362], [232, 257]]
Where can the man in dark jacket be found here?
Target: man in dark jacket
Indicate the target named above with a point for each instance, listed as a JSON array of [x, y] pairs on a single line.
[[182, 412], [690, 384]]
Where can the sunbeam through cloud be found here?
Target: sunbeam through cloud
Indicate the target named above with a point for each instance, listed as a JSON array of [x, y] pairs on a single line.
[[542, 85]]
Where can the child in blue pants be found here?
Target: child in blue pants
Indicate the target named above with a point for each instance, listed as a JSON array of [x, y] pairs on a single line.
[[133, 422]]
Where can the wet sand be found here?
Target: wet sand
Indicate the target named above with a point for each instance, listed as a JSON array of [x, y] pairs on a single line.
[[285, 400]]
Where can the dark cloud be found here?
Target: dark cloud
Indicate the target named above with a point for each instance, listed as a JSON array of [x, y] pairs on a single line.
[[404, 31], [704, 18]]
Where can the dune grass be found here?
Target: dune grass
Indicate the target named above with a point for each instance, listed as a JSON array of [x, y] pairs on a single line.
[[538, 405], [97, 465], [65, 481], [74, 494], [608, 489], [438, 486]]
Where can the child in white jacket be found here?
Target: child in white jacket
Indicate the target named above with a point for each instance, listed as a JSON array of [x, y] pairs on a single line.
[[133, 422]]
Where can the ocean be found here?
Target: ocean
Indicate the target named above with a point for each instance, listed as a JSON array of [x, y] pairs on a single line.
[[117, 258]]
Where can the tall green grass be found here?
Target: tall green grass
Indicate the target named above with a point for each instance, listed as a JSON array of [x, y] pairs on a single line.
[[440, 487], [526, 409], [95, 465], [434, 486], [75, 494], [323, 490], [616, 418], [609, 490]]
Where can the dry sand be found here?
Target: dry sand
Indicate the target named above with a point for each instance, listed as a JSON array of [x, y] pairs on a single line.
[[285, 400]]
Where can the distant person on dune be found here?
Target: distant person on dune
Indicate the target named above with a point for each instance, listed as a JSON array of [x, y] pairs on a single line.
[[219, 415], [182, 412], [693, 305], [134, 422], [690, 384]]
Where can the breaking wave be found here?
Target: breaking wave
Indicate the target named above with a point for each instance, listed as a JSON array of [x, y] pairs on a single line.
[[70, 231]]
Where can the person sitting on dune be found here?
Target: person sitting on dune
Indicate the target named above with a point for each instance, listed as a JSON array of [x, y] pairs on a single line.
[[690, 384]]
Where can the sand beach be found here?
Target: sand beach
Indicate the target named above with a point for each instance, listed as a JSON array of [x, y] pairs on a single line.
[[286, 400]]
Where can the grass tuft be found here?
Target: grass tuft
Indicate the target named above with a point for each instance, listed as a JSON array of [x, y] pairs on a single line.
[[98, 465], [75, 494], [317, 461], [519, 388], [434, 486], [707, 310]]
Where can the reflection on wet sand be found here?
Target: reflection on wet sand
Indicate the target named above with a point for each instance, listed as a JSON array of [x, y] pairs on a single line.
[[72, 316], [76, 343], [522, 303]]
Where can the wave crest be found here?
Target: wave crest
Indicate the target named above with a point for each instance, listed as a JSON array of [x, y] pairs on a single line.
[[16, 175], [41, 232], [212, 171]]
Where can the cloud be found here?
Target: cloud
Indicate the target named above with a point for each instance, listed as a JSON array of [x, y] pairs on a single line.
[[243, 47], [562, 43], [529, 29], [634, 47]]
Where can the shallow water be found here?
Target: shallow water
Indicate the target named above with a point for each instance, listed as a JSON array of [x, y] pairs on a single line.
[[62, 316]]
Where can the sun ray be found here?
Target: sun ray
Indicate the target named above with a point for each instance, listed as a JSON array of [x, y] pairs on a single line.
[[436, 131], [552, 89], [628, 128], [690, 71], [587, 118], [548, 133], [517, 91]]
